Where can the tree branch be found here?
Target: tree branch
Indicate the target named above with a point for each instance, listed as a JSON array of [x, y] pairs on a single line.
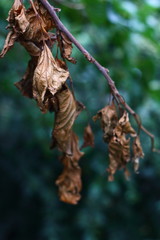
[[102, 69]]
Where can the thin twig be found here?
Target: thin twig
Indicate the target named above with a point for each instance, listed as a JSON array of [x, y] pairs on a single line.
[[103, 70]]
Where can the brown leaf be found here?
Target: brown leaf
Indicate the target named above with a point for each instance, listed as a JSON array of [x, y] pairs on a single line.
[[38, 25], [25, 85], [15, 11], [17, 17], [9, 42], [137, 153], [66, 48], [69, 182], [47, 76], [88, 137], [119, 154], [126, 126], [68, 110], [22, 21], [108, 117]]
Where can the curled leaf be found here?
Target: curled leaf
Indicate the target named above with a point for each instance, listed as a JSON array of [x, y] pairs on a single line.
[[21, 21], [126, 126], [15, 11], [88, 137], [9, 42], [68, 110], [116, 132], [137, 153], [66, 48], [25, 85], [108, 117], [39, 24], [17, 17], [119, 154], [47, 76], [69, 182]]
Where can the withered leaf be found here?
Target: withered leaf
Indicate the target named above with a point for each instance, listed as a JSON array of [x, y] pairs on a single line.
[[88, 137], [22, 21], [15, 10], [25, 85], [9, 42], [66, 48], [69, 182], [137, 153], [47, 76], [119, 154], [38, 25], [115, 134], [126, 126], [108, 117], [68, 110], [17, 17]]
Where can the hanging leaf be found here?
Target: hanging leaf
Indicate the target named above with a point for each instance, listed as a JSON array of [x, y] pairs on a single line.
[[39, 24], [108, 117], [69, 182], [88, 137], [21, 21], [137, 153], [66, 47], [17, 17], [125, 125], [68, 110], [9, 42], [25, 85], [15, 11], [115, 134], [119, 154], [47, 76]]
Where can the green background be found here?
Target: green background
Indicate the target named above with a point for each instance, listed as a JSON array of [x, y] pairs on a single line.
[[123, 36]]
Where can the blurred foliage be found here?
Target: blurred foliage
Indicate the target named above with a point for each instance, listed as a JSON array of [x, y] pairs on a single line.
[[125, 37]]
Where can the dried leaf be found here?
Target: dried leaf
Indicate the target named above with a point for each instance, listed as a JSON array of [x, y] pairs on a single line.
[[137, 153], [25, 85], [38, 25], [17, 17], [15, 11], [119, 154], [126, 126], [66, 48], [68, 110], [88, 137], [69, 182], [47, 76], [115, 134], [22, 21], [9, 42], [109, 119]]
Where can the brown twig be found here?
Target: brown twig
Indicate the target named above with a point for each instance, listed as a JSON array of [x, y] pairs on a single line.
[[103, 70]]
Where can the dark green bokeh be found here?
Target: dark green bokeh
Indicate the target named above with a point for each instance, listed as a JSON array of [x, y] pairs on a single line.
[[125, 37]]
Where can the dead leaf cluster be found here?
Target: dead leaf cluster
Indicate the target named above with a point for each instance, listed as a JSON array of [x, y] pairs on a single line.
[[118, 133], [45, 81]]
